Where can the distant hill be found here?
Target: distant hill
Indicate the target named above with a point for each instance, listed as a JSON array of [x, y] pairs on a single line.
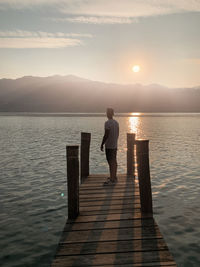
[[74, 94]]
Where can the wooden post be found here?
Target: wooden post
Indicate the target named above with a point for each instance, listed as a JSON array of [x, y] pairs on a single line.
[[85, 154], [73, 181], [130, 154], [142, 148]]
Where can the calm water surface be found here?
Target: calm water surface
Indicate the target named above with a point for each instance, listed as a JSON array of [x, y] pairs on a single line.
[[33, 180]]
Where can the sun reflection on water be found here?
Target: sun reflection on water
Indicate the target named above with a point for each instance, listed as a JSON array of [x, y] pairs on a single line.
[[134, 122]]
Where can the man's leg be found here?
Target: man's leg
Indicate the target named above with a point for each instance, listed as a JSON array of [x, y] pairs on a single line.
[[107, 151], [113, 165], [112, 162], [110, 170], [109, 157]]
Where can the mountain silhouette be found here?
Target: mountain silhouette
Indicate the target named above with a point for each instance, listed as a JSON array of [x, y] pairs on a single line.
[[74, 94]]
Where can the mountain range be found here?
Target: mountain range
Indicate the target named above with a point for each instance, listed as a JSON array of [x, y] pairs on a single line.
[[74, 94]]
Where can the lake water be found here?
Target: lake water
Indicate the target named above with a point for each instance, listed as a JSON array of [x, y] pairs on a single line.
[[33, 179]]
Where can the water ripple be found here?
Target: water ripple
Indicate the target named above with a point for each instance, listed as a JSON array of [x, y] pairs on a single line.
[[33, 181]]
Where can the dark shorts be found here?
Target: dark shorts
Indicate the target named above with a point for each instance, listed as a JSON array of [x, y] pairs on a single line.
[[111, 155]]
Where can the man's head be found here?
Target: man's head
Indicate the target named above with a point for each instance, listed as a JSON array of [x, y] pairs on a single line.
[[110, 113]]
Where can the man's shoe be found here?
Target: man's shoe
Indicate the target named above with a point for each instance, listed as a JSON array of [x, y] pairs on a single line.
[[110, 182]]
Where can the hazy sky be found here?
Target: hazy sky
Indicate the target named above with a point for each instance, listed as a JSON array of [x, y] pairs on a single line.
[[102, 40]]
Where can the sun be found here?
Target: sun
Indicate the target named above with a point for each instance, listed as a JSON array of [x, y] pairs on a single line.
[[136, 68]]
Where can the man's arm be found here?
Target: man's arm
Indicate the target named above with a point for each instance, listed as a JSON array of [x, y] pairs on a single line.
[[105, 137]]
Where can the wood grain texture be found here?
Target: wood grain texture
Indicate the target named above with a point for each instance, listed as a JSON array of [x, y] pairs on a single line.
[[110, 247], [114, 258], [111, 230]]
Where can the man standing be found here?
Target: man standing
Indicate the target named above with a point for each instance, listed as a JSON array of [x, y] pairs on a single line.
[[110, 139]]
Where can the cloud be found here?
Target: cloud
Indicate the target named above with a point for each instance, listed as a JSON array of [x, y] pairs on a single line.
[[40, 39], [41, 34], [38, 42], [26, 39], [129, 8], [99, 20], [20, 4], [113, 8]]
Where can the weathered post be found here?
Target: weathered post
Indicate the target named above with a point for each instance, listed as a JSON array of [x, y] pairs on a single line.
[[130, 154], [142, 148], [73, 181], [85, 154]]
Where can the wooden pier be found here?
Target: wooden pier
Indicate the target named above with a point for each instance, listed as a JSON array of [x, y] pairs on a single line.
[[111, 225]]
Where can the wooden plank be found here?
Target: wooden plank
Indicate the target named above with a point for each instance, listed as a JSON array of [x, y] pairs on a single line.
[[132, 198], [91, 196], [84, 155], [111, 230], [110, 202], [136, 214], [110, 207], [72, 181], [130, 156], [111, 193], [135, 199], [101, 185], [103, 178], [108, 189], [110, 224], [111, 217], [120, 182], [149, 264], [119, 179], [112, 235], [104, 175], [111, 247], [109, 211], [112, 258], [101, 181]]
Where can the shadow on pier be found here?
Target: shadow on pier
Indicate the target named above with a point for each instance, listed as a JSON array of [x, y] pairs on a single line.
[[111, 225]]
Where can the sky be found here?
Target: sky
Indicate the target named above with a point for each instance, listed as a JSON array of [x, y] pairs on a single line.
[[102, 40]]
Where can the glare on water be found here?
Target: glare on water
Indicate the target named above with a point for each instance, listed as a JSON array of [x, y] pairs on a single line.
[[33, 192]]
